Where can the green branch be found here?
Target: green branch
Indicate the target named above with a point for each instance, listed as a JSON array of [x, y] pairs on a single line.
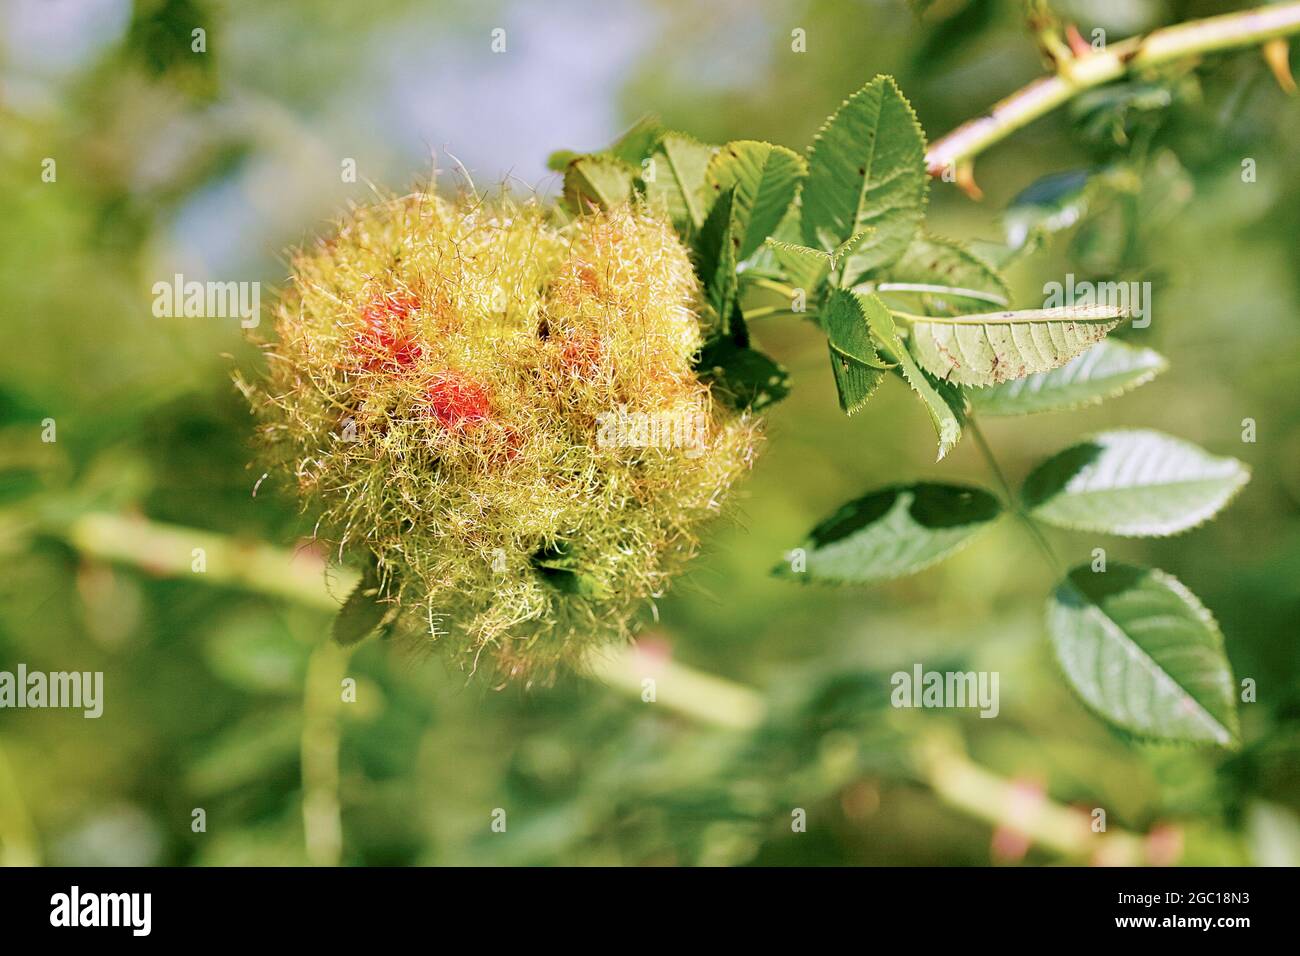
[[301, 577], [1096, 67]]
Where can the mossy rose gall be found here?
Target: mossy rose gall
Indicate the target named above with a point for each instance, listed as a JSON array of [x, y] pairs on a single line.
[[436, 390]]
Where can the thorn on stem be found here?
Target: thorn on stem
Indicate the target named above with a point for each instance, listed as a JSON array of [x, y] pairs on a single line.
[[1078, 45], [965, 177], [1277, 54]]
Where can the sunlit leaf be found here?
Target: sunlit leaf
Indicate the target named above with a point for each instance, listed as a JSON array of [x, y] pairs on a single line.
[[1108, 369], [1144, 653], [991, 347], [947, 276], [765, 179], [866, 171], [600, 181], [944, 403], [855, 363], [677, 182], [804, 267], [638, 141], [1137, 483], [893, 532]]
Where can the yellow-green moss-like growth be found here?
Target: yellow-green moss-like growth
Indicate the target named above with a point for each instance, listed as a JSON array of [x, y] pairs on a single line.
[[499, 404]]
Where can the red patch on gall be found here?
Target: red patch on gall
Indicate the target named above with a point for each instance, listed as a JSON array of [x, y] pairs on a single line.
[[589, 280], [456, 401], [386, 338], [582, 355]]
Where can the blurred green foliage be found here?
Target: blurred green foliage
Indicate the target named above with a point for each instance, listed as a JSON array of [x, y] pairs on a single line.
[[169, 161]]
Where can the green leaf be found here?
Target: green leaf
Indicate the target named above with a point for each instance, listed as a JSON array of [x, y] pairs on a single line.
[[677, 183], [1144, 654], [559, 567], [866, 170], [947, 276], [992, 347], [855, 363], [944, 403], [949, 418], [849, 246], [855, 383], [638, 141], [631, 147], [597, 180], [559, 160], [742, 376], [1049, 205], [805, 268], [765, 179], [1136, 483], [894, 531], [847, 327], [1108, 369], [715, 257], [362, 612]]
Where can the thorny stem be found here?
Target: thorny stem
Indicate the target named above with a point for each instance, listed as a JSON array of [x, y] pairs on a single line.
[[940, 763], [1012, 499], [1097, 67]]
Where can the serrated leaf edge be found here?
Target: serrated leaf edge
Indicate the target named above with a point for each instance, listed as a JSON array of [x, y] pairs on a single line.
[[911, 112], [781, 571], [1241, 483], [1132, 385], [1206, 617]]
